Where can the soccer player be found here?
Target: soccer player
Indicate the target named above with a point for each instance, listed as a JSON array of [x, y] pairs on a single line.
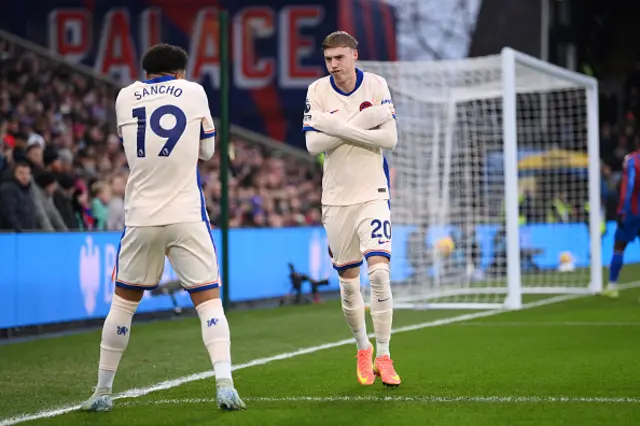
[[350, 117], [628, 218], [165, 126]]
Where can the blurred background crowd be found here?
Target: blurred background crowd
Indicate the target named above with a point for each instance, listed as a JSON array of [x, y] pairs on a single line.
[[62, 166]]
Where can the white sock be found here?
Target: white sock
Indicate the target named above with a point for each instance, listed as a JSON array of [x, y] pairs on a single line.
[[216, 337], [115, 337], [381, 306], [105, 381], [353, 308], [612, 285]]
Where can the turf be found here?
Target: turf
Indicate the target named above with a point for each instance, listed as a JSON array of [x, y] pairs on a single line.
[[580, 348]]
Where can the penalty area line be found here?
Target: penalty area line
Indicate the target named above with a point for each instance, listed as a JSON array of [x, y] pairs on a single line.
[[406, 399], [169, 384]]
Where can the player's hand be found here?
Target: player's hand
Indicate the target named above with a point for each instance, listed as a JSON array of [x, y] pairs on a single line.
[[375, 116]]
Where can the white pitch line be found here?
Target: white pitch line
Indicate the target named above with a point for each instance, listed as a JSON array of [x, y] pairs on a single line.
[[408, 399], [138, 392], [551, 324]]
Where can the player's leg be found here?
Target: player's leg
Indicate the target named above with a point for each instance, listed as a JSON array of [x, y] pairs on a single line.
[[139, 266], [374, 230], [193, 256], [339, 223], [626, 232]]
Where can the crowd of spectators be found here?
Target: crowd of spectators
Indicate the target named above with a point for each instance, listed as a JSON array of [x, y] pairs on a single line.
[[620, 132], [62, 166]]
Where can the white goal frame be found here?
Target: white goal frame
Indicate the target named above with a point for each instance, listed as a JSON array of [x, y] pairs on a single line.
[[514, 277], [514, 290]]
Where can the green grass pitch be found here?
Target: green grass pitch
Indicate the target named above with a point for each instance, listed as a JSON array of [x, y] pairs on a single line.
[[574, 362]]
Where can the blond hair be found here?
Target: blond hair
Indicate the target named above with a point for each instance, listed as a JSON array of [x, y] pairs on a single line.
[[98, 187], [339, 39]]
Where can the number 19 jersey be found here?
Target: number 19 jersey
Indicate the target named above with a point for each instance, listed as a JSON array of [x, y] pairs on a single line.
[[161, 123]]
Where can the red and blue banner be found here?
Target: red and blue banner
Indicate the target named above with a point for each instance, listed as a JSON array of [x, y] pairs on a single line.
[[274, 48]]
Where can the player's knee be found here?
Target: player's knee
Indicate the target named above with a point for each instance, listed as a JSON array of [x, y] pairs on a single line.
[[349, 273], [130, 294], [376, 260], [381, 301], [379, 277], [200, 297], [349, 287], [119, 303], [619, 247]]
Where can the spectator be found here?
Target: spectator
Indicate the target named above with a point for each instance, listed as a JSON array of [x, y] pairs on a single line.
[[100, 205], [608, 107], [82, 211], [115, 219], [6, 148], [62, 199], [43, 191], [17, 210], [35, 154], [62, 122]]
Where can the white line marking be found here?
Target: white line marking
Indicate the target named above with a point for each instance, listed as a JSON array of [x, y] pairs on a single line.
[[552, 324], [135, 393], [409, 399]]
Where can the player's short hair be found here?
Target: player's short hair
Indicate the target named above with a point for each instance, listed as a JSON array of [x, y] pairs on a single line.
[[164, 58], [339, 39]]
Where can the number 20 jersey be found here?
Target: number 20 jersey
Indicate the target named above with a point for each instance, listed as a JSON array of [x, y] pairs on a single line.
[[161, 123], [352, 174]]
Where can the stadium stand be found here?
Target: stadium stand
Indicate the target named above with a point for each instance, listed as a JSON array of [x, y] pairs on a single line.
[[619, 114], [59, 120]]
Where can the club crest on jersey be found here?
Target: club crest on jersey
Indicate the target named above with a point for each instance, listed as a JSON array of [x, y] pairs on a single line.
[[365, 105]]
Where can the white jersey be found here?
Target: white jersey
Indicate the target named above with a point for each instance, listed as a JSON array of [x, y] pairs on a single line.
[[165, 126], [352, 174]]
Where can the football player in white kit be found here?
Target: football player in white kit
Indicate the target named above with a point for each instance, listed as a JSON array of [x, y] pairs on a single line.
[[350, 117], [165, 126]]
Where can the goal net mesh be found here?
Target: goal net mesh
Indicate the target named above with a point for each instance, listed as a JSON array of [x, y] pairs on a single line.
[[448, 182]]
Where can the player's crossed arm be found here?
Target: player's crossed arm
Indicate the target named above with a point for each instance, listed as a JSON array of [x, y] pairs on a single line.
[[325, 134], [385, 136], [317, 142], [373, 127]]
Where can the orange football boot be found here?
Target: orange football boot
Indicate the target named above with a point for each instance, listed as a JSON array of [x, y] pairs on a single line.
[[383, 367], [364, 368]]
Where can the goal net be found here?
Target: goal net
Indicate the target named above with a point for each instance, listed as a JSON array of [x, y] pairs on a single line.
[[494, 181]]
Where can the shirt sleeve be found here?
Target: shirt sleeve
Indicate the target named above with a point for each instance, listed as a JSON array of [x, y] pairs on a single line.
[[312, 106], [207, 128], [627, 188], [118, 108], [385, 96]]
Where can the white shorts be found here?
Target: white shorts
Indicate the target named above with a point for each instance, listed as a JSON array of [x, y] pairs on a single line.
[[356, 231], [189, 247]]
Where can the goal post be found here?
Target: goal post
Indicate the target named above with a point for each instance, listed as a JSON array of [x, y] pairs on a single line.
[[495, 181]]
